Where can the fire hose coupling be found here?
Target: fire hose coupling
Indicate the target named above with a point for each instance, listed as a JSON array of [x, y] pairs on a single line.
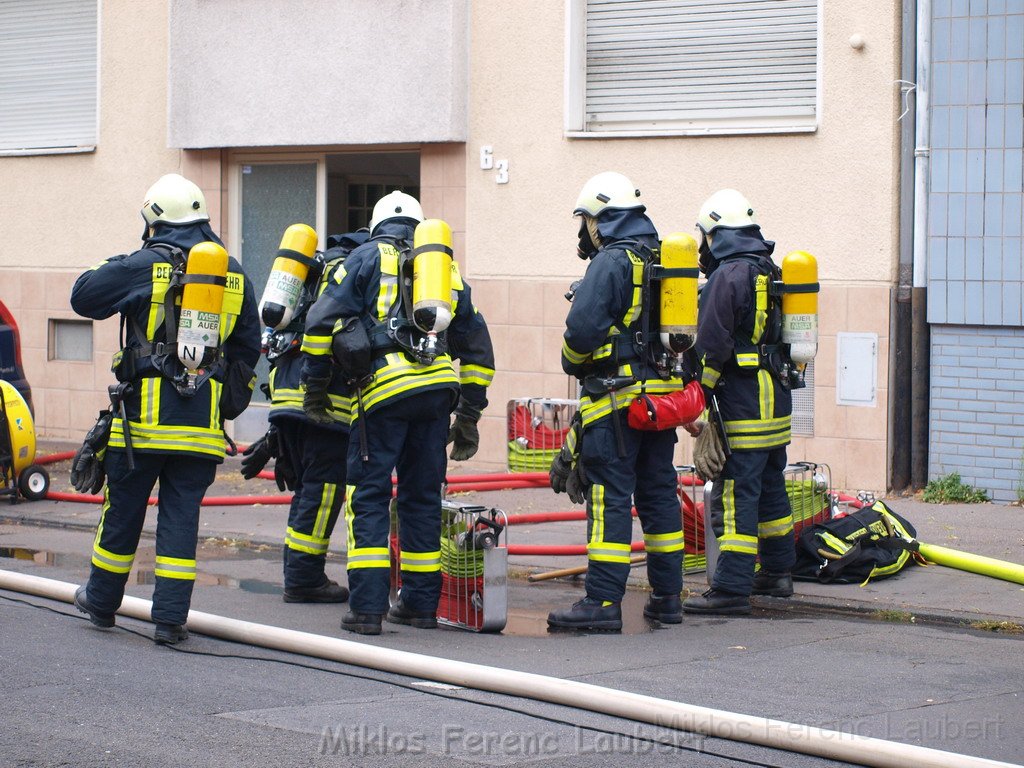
[[483, 534]]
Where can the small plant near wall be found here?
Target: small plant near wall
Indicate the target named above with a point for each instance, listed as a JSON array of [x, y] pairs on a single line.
[[950, 489], [1020, 483]]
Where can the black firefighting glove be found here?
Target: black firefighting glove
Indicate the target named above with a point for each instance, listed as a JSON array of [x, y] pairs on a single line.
[[284, 473], [567, 474], [316, 402], [256, 456], [463, 432], [87, 473]]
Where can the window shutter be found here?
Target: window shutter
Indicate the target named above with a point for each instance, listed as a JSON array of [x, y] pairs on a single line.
[[686, 63], [48, 81]]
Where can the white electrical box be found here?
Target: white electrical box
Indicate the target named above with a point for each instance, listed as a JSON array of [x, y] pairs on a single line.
[[857, 369]]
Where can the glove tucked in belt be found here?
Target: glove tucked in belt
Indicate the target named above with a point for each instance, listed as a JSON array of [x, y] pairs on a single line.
[[316, 402], [87, 473], [708, 452]]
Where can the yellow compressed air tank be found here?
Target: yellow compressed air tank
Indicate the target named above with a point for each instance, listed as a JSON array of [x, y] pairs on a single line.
[[206, 272], [432, 276], [679, 292], [289, 273], [800, 306], [20, 428]]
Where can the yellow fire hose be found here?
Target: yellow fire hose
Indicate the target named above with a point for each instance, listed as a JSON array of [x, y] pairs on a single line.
[[965, 561]]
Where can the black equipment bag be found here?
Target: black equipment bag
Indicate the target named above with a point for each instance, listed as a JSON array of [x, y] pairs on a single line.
[[871, 543]]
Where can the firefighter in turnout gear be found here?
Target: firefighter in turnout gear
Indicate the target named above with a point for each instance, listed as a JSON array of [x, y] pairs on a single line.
[[403, 394], [610, 344], [310, 456], [168, 419], [746, 372]]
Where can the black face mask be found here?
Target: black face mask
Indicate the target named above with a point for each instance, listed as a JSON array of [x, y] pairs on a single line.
[[586, 248], [706, 259]]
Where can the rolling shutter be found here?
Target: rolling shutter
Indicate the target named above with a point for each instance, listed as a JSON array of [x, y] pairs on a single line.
[[687, 62], [48, 80]]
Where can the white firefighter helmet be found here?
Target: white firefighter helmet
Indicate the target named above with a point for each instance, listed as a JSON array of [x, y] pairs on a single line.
[[396, 205], [726, 209], [607, 190], [175, 200]]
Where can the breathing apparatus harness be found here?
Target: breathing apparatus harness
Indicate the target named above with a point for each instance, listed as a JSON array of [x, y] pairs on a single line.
[[638, 345], [399, 330], [770, 352], [276, 344], [132, 362]]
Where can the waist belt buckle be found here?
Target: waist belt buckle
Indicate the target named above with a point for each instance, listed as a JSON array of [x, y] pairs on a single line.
[[392, 323]]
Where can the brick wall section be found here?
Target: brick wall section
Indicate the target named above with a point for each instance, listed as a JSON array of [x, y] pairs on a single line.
[[976, 419]]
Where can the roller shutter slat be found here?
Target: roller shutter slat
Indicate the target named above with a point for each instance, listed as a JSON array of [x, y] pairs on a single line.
[[685, 60], [48, 82]]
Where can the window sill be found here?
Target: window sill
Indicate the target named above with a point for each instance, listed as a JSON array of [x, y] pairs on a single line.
[[47, 151]]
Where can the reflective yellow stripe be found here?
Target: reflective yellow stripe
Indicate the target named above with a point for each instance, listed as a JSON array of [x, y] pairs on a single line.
[[757, 442], [175, 568], [728, 507], [594, 410], [572, 355], [783, 526], [369, 557], [761, 308], [608, 552], [316, 345], [747, 359], [420, 562], [475, 374], [835, 542], [596, 512], [636, 298], [737, 542], [104, 558], [323, 512], [400, 375], [170, 438], [766, 390], [709, 377], [752, 426], [663, 542], [350, 541], [303, 542]]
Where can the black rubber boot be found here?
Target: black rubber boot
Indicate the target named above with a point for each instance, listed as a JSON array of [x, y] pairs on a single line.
[[718, 602], [667, 609], [169, 634], [362, 623], [773, 584], [328, 592], [399, 614], [588, 613], [102, 620]]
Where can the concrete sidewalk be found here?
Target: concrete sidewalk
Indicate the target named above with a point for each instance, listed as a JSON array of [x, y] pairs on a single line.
[[932, 593]]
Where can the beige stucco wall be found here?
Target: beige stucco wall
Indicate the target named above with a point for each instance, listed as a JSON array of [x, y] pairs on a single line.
[[832, 193], [63, 213]]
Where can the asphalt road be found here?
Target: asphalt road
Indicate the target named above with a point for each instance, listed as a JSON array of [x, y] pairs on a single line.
[[79, 696]]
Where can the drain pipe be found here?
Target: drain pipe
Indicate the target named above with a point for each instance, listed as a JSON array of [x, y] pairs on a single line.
[[920, 338], [832, 745], [901, 332]]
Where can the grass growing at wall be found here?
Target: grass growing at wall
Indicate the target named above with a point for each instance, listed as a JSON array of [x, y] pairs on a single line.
[[952, 490]]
